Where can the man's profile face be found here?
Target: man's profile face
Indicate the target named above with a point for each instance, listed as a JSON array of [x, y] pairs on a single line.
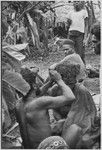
[[68, 50]]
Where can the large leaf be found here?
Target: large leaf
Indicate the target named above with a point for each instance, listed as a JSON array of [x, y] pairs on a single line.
[[6, 66], [33, 38], [15, 80], [17, 47], [6, 120], [39, 18], [11, 56], [8, 95], [22, 32], [18, 56], [34, 30], [10, 63]]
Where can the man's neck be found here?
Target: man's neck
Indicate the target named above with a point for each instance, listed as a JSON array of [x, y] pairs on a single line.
[[32, 92]]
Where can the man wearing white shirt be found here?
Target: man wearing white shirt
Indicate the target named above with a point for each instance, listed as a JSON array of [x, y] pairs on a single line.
[[78, 27]]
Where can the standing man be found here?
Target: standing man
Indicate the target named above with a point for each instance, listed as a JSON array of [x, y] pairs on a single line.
[[78, 27]]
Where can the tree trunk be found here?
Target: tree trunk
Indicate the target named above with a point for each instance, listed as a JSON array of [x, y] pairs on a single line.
[[90, 10], [34, 31]]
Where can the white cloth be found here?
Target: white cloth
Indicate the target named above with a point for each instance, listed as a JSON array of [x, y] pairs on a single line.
[[77, 20]]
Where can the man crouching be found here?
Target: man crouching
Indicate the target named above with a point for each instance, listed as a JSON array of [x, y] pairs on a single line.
[[32, 111]]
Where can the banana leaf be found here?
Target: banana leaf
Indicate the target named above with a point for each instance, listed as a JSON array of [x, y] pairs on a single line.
[[17, 47], [42, 26], [6, 120], [10, 63], [16, 81], [12, 56], [33, 38], [17, 55], [35, 35], [8, 95]]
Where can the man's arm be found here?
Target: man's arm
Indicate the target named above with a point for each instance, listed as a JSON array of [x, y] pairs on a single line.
[[48, 102], [45, 87], [54, 91], [20, 117]]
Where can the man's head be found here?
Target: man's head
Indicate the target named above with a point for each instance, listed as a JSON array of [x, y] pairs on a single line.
[[29, 74], [68, 72], [69, 52], [78, 5], [68, 47], [53, 142]]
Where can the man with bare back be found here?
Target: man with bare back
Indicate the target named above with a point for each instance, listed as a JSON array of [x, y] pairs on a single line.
[[32, 111]]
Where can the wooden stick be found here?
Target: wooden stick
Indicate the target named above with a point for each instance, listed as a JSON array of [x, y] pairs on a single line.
[[12, 128], [9, 136]]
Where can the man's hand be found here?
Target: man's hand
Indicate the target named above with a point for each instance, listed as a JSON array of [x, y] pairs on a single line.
[[53, 66], [35, 70], [55, 75]]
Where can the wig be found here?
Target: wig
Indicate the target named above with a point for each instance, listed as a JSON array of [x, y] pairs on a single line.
[[68, 72]]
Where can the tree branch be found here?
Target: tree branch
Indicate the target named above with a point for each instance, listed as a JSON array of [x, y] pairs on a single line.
[[29, 9]]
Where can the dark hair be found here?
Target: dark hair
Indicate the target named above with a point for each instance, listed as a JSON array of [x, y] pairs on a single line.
[[28, 75], [70, 52], [68, 72]]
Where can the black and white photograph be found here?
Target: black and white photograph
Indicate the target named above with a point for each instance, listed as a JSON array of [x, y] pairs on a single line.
[[50, 74]]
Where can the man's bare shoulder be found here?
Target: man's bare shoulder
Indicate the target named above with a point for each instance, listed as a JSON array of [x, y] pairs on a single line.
[[37, 103]]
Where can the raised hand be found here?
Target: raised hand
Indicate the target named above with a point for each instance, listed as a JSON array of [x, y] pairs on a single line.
[[53, 66], [35, 70], [54, 75]]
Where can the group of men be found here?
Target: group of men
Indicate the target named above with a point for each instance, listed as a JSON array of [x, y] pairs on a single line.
[[60, 112], [72, 106]]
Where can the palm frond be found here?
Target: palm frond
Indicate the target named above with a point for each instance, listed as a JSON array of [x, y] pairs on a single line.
[[34, 31], [17, 55], [16, 81]]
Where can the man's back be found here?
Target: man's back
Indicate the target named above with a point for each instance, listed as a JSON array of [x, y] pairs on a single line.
[[32, 113], [38, 125], [34, 125]]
